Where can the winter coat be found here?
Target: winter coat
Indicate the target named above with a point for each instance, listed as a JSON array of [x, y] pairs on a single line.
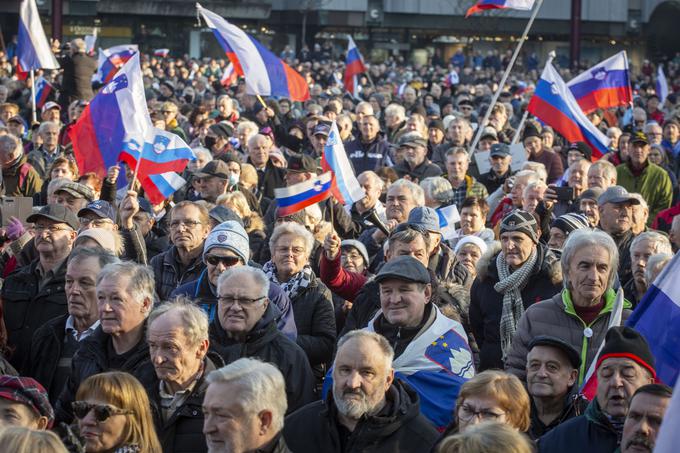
[[486, 305], [424, 170], [269, 179], [653, 184], [368, 156], [340, 281], [398, 427], [553, 164], [574, 405], [45, 352], [77, 78], [21, 179], [167, 274], [266, 343]]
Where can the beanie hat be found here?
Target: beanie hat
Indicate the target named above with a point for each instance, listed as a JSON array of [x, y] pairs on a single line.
[[471, 239], [101, 236], [570, 223], [229, 235], [530, 130], [624, 342], [361, 248], [522, 221]]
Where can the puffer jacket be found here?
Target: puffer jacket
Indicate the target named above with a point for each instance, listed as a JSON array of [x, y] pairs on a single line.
[[557, 317], [486, 305], [268, 344], [398, 427], [166, 271]]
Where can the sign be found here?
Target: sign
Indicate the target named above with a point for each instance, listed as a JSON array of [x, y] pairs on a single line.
[[519, 156]]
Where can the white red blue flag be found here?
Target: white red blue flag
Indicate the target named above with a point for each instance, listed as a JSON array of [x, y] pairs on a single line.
[[163, 53], [229, 75], [483, 5], [669, 435], [33, 49], [605, 85], [297, 197], [345, 186], [43, 88], [354, 65], [448, 217], [554, 104], [661, 85], [111, 60], [265, 73]]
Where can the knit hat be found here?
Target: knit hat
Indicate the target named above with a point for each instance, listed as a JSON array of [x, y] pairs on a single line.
[[570, 222], [28, 391], [530, 131], [624, 342], [522, 221], [361, 248], [231, 236], [101, 236], [582, 148], [471, 239]]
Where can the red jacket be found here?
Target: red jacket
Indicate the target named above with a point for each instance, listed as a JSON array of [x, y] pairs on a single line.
[[345, 284]]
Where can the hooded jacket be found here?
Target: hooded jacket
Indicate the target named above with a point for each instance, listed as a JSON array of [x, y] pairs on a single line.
[[398, 427]]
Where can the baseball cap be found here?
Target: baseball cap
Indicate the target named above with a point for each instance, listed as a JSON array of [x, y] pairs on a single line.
[[489, 132], [28, 391], [546, 340], [616, 194], [217, 168], [77, 190], [301, 163], [412, 139], [50, 105], [56, 213], [100, 208], [322, 129], [499, 150], [405, 268], [639, 137], [425, 217]]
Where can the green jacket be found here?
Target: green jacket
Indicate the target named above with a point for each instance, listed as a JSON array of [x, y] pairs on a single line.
[[653, 184]]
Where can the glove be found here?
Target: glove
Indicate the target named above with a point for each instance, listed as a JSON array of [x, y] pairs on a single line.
[[15, 229]]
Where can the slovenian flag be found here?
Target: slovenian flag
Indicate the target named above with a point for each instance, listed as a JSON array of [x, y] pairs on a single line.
[[297, 197], [265, 73], [554, 104], [448, 217], [483, 5], [346, 188], [605, 85], [354, 65], [111, 60], [42, 91]]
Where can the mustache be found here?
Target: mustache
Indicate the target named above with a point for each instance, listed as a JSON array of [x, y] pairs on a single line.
[[641, 441]]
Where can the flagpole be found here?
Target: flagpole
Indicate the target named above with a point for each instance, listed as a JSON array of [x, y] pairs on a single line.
[[480, 127], [34, 115], [134, 175]]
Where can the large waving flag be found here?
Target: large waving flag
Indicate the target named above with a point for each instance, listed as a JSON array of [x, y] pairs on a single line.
[[265, 73], [605, 85], [483, 5], [345, 187], [669, 435], [657, 318], [111, 60], [661, 85], [43, 88], [116, 112], [554, 104], [354, 65], [33, 50], [298, 196]]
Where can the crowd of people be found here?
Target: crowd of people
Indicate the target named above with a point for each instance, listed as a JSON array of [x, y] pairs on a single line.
[[213, 321]]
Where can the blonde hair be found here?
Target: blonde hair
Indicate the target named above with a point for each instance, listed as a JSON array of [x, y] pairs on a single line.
[[506, 389], [248, 174], [237, 202], [490, 437], [125, 392], [18, 439]]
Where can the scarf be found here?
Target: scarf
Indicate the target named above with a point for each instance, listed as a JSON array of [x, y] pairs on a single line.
[[295, 285], [511, 284]]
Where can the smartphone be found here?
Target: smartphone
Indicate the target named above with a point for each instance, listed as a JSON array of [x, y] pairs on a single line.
[[564, 193]]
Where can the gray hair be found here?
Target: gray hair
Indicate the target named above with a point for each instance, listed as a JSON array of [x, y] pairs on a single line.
[[531, 176], [676, 222], [365, 335], [437, 188], [246, 125], [294, 229], [47, 124], [608, 169], [193, 319], [103, 257], [536, 185], [203, 153], [589, 238], [261, 387], [141, 282], [457, 150], [9, 143], [660, 243], [395, 110], [655, 265], [256, 274], [416, 192], [370, 174], [536, 167]]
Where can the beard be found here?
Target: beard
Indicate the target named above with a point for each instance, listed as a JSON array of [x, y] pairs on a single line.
[[353, 408]]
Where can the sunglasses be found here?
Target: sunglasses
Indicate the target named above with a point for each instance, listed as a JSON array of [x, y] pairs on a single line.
[[101, 411], [228, 261]]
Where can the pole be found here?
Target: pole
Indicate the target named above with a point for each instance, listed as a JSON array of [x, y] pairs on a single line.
[[575, 39], [484, 121], [259, 98], [34, 114], [134, 175], [57, 19]]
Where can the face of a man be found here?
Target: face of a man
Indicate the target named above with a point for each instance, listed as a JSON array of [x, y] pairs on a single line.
[[457, 166], [415, 248], [639, 153], [457, 131], [415, 155], [51, 115], [617, 380], [50, 137], [53, 238], [533, 145], [573, 156], [371, 188], [399, 203], [589, 271], [72, 203], [211, 187], [228, 426], [403, 303], [549, 373], [240, 304], [360, 378], [578, 178], [81, 288], [589, 207], [532, 197], [119, 311], [18, 414], [643, 422], [225, 107], [557, 238], [471, 219], [500, 164], [186, 229], [655, 135], [369, 128], [639, 255], [91, 220], [516, 247], [596, 178], [616, 218], [258, 151]]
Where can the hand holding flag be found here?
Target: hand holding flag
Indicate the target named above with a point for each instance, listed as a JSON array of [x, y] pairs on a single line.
[[297, 197]]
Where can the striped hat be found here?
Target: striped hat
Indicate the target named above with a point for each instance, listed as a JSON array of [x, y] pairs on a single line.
[[570, 222]]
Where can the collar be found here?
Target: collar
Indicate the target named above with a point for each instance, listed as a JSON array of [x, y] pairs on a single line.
[[70, 328], [164, 391]]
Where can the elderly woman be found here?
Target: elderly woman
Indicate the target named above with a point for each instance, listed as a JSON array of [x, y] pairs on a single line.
[[523, 272], [581, 312], [113, 415], [469, 249], [563, 226], [473, 212], [291, 246]]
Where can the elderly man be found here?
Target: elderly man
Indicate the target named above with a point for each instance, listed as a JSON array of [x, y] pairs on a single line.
[[643, 246], [244, 408], [73, 196], [508, 282], [125, 297], [19, 178], [368, 408], [624, 365], [602, 174], [189, 226], [533, 143], [55, 343], [512, 192], [24, 403], [174, 378], [395, 122], [245, 326], [458, 134], [533, 194], [416, 165], [552, 370], [589, 261], [370, 205], [269, 176], [500, 160], [615, 206], [42, 157], [34, 294], [642, 176], [463, 184], [646, 412]]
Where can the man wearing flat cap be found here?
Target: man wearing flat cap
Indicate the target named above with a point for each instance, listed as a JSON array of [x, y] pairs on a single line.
[[624, 365], [415, 166], [73, 196], [24, 403]]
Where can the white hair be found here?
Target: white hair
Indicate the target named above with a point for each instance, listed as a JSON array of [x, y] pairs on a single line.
[[589, 238], [294, 229], [246, 125], [437, 188], [536, 167], [141, 283], [396, 110], [256, 274], [655, 265], [660, 243], [416, 192], [193, 319], [47, 124]]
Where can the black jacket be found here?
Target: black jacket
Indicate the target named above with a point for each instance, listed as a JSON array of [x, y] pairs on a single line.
[[45, 351], [574, 405], [77, 78], [183, 431], [267, 343], [398, 427], [424, 170], [27, 307], [167, 273], [271, 178]]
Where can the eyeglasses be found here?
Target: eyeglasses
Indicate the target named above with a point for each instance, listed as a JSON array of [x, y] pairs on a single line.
[[50, 228], [228, 261], [185, 223], [296, 251], [96, 223], [467, 413], [101, 411], [244, 303]]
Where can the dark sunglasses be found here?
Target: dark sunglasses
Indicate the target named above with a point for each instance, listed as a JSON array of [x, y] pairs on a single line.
[[101, 411], [226, 260]]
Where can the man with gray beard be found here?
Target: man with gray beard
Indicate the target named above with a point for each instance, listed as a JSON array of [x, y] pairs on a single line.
[[367, 410]]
